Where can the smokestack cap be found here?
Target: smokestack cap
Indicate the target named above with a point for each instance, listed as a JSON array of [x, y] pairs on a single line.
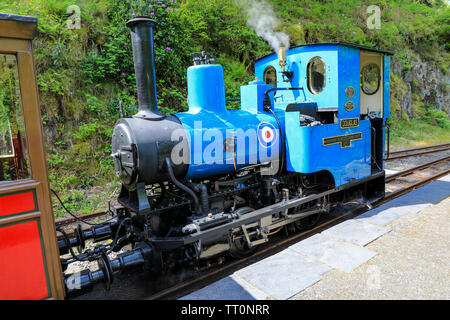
[[140, 19]]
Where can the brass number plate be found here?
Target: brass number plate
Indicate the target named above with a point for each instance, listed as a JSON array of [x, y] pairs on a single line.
[[349, 123]]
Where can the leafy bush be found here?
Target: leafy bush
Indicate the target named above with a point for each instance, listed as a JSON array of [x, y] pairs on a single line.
[[437, 117]]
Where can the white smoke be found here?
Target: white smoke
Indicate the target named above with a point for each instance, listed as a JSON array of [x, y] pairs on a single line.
[[262, 18]]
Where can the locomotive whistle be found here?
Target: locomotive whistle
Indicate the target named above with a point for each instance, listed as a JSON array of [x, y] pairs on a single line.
[[282, 58]]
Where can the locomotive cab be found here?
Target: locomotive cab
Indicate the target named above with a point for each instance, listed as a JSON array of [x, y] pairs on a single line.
[[335, 121]]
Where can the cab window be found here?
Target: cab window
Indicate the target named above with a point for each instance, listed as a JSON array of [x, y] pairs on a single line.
[[370, 79], [14, 160], [316, 75], [270, 76]]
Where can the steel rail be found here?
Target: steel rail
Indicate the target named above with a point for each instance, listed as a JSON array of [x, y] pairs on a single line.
[[402, 191], [444, 145], [189, 285], [411, 170], [417, 151], [65, 221]]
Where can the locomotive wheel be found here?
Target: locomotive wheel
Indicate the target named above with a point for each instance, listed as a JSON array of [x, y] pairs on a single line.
[[239, 248], [312, 220]]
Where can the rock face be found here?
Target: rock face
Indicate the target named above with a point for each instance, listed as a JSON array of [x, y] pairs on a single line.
[[426, 80], [432, 82]]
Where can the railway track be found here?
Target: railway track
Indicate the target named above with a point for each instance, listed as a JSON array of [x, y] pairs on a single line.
[[396, 185], [414, 152]]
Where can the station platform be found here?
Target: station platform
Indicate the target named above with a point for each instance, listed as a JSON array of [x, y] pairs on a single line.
[[399, 250]]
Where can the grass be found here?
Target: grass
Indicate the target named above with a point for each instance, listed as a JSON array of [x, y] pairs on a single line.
[[417, 133], [84, 201]]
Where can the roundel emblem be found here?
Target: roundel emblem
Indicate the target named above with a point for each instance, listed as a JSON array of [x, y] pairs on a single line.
[[267, 134]]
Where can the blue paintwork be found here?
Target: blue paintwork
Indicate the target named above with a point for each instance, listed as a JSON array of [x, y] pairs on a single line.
[[205, 120], [297, 60], [252, 96], [305, 153], [387, 96], [387, 87], [348, 77], [206, 88]]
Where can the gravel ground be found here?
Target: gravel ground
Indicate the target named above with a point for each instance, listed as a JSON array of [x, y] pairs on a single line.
[[406, 163], [412, 263]]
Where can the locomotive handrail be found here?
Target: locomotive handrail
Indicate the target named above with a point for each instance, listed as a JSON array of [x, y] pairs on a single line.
[[388, 137], [267, 98], [267, 106]]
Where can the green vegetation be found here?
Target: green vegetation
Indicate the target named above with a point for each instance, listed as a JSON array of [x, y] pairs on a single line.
[[432, 127], [84, 73]]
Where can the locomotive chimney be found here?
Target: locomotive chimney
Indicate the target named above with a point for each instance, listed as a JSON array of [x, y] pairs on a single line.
[[144, 66]]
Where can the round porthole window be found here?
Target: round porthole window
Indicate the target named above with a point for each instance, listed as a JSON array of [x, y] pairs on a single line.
[[316, 75], [270, 76], [370, 79]]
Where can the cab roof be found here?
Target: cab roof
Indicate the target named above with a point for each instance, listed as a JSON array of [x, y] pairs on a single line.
[[345, 44]]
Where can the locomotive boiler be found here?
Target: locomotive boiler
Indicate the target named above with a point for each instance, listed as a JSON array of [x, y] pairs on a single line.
[[213, 182]]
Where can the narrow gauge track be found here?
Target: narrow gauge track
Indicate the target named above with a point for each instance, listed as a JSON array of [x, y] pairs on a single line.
[[396, 185], [413, 152]]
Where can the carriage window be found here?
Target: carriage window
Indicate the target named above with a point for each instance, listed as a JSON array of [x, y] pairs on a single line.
[[316, 75], [370, 79], [270, 76], [14, 161]]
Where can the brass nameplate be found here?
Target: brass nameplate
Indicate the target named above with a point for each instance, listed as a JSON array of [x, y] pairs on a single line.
[[349, 92], [349, 123], [349, 105], [344, 140]]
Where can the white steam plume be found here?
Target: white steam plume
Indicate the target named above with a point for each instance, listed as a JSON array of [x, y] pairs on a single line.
[[262, 18]]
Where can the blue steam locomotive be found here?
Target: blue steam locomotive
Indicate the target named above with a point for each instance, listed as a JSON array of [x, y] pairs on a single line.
[[210, 182]]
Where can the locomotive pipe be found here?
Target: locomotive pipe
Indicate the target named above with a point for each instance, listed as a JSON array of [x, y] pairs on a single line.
[[144, 66], [182, 186], [198, 187]]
